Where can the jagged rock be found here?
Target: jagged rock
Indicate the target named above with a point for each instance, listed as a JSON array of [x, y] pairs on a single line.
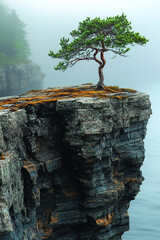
[[69, 169], [19, 78]]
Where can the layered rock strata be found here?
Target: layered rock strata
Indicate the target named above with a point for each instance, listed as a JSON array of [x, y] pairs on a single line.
[[19, 78], [69, 168]]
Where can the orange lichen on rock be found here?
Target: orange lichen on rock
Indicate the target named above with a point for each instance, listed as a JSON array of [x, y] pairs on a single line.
[[2, 156], [47, 233], [51, 95], [129, 179], [105, 221], [70, 192], [117, 177], [54, 219], [29, 166], [116, 181], [128, 89]]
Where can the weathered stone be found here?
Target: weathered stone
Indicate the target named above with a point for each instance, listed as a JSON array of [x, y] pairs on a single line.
[[69, 169], [53, 164], [5, 219]]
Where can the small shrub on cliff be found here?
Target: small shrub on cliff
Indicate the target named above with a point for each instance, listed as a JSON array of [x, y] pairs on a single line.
[[97, 36]]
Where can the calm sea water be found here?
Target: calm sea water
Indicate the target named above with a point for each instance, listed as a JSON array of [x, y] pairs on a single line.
[[145, 209]]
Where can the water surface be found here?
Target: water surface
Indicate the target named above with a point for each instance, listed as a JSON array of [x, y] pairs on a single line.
[[145, 209]]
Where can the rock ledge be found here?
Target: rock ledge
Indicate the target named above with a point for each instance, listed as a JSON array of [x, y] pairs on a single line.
[[70, 164]]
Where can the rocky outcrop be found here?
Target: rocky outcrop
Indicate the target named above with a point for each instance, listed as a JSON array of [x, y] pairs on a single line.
[[69, 168], [19, 78]]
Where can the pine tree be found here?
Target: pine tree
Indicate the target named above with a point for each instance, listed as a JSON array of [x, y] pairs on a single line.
[[94, 37]]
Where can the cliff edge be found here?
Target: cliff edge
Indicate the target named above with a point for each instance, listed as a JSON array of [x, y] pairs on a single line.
[[70, 162]]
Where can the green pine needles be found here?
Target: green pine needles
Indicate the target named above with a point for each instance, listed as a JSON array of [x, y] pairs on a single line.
[[95, 37]]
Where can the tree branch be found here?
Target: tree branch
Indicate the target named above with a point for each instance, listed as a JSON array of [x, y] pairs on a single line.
[[116, 52], [103, 60], [74, 61], [94, 55]]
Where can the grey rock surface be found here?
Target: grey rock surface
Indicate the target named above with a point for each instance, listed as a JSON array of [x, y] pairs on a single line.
[[69, 170], [19, 78]]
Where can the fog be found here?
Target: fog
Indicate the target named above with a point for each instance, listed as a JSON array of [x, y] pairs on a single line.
[[49, 20]]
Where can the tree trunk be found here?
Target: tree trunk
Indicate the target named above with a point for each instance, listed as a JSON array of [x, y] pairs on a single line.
[[100, 84]]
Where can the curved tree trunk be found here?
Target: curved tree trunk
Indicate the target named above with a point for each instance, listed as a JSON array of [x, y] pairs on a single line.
[[100, 84]]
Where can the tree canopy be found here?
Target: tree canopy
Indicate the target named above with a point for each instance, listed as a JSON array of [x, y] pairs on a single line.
[[13, 44], [97, 36]]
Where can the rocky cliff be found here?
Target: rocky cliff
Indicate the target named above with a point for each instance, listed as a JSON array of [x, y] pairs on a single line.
[[70, 162], [19, 78]]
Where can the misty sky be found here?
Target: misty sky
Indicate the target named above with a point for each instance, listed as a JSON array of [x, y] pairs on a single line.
[[49, 20]]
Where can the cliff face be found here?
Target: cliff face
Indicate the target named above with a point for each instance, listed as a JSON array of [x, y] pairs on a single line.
[[69, 168], [19, 78]]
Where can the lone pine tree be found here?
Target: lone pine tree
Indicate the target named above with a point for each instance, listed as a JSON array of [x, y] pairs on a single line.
[[95, 37]]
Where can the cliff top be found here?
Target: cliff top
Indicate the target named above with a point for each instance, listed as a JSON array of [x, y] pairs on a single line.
[[34, 97]]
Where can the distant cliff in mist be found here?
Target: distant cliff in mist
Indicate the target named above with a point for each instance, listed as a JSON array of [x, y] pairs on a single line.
[[19, 78], [17, 73]]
